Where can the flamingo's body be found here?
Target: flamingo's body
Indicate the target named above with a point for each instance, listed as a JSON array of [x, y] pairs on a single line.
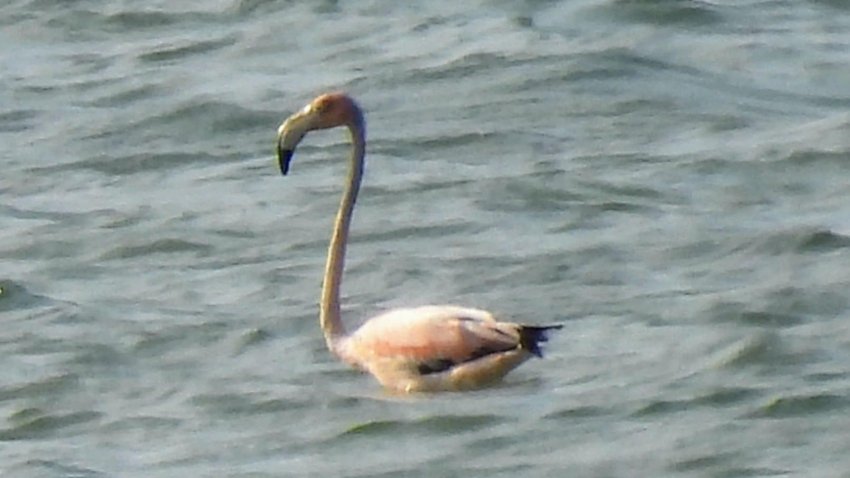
[[426, 348]]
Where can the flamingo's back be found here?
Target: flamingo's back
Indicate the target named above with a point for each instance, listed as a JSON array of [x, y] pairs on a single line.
[[440, 347]]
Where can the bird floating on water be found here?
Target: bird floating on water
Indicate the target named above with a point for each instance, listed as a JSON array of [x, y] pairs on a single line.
[[428, 348]]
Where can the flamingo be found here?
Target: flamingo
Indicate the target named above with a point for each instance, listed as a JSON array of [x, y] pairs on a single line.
[[418, 349]]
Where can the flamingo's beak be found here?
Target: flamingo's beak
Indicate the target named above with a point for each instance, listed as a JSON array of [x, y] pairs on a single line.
[[284, 156], [290, 133]]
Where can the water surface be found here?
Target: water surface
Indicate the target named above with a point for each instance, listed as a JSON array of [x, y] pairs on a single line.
[[668, 179]]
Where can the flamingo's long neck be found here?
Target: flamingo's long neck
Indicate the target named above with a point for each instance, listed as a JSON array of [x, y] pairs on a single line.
[[329, 315]]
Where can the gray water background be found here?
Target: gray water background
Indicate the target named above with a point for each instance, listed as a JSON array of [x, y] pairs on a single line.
[[668, 179]]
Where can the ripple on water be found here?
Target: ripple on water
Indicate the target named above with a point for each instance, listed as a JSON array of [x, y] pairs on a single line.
[[764, 349], [120, 165], [159, 246], [743, 314], [802, 405], [781, 307], [18, 120], [432, 424], [51, 386], [187, 49], [246, 404], [210, 117], [802, 240], [14, 296], [33, 423], [710, 461], [717, 398], [37, 468]]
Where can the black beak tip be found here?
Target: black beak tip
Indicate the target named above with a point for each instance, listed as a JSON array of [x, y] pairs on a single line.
[[283, 157]]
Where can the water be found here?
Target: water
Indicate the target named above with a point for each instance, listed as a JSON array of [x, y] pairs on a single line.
[[667, 178]]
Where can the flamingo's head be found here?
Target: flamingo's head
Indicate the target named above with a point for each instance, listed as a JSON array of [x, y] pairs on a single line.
[[326, 111]]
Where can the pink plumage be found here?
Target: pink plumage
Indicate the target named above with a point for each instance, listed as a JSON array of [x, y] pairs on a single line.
[[429, 348]]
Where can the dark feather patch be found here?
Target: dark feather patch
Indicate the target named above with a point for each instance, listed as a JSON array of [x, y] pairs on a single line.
[[530, 337], [434, 366]]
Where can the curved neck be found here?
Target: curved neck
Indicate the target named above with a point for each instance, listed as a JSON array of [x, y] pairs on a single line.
[[329, 314]]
